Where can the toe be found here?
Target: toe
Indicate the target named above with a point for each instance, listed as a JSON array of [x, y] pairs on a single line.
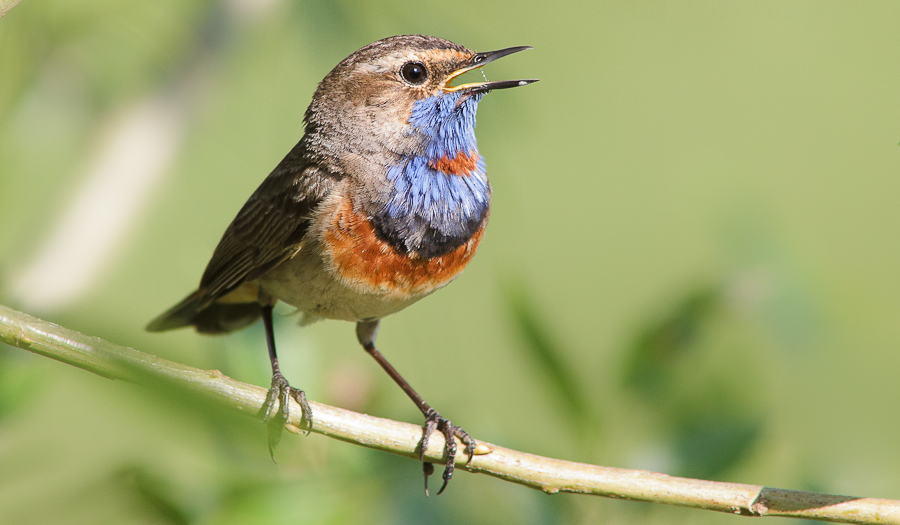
[[433, 421], [306, 411]]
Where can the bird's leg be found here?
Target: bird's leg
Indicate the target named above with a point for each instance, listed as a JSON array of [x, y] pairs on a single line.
[[365, 332], [280, 390]]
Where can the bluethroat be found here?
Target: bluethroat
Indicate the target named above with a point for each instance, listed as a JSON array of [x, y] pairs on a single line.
[[383, 201]]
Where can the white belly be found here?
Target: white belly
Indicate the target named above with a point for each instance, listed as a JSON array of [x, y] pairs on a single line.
[[306, 283]]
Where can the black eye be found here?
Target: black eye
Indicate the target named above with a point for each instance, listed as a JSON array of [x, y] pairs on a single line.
[[414, 72]]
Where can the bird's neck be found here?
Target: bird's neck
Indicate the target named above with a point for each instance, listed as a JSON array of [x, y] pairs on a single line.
[[440, 195]]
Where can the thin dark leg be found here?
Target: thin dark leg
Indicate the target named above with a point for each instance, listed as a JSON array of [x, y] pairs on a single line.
[[365, 332], [280, 390], [269, 326]]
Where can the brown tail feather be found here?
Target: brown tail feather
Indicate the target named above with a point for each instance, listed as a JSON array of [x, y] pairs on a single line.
[[217, 318]]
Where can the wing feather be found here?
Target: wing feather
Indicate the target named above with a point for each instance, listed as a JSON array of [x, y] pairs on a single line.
[[269, 228]]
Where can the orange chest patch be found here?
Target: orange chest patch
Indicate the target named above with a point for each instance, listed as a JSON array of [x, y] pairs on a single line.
[[361, 259], [462, 164]]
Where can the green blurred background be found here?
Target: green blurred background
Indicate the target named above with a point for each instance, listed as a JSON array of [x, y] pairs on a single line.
[[692, 265]]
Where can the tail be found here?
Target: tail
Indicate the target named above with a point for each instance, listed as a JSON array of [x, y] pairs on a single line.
[[217, 318]]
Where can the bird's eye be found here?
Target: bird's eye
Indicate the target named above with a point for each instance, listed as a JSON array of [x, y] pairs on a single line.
[[414, 72]]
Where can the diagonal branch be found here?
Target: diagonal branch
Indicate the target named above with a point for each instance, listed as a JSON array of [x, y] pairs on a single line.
[[548, 474], [6, 5]]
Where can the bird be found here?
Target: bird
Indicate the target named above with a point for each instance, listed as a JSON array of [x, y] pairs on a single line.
[[383, 201]]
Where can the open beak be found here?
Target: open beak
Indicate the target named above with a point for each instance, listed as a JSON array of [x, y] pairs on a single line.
[[479, 60]]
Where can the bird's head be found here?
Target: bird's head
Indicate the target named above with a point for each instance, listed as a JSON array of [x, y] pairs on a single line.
[[398, 94]]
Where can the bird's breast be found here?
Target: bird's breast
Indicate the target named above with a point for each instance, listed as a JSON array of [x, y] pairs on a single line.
[[358, 256]]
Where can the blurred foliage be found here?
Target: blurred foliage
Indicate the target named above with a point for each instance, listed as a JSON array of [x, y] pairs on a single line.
[[712, 423], [659, 346], [155, 493], [548, 354], [712, 427], [19, 380], [697, 201]]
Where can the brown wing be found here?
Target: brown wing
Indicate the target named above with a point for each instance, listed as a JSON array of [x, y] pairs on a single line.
[[268, 229]]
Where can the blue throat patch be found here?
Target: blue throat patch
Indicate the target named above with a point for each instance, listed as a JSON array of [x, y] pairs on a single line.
[[432, 212]]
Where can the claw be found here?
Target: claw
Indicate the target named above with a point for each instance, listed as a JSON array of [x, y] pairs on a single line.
[[306, 412], [433, 421], [428, 469], [427, 429], [276, 418]]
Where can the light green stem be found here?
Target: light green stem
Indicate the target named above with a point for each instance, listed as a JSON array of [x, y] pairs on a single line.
[[6, 5], [550, 475]]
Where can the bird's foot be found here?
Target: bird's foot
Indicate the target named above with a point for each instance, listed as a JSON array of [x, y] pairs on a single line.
[[433, 421], [276, 417]]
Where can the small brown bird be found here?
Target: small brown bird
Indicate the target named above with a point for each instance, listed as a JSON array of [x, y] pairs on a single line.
[[383, 201]]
